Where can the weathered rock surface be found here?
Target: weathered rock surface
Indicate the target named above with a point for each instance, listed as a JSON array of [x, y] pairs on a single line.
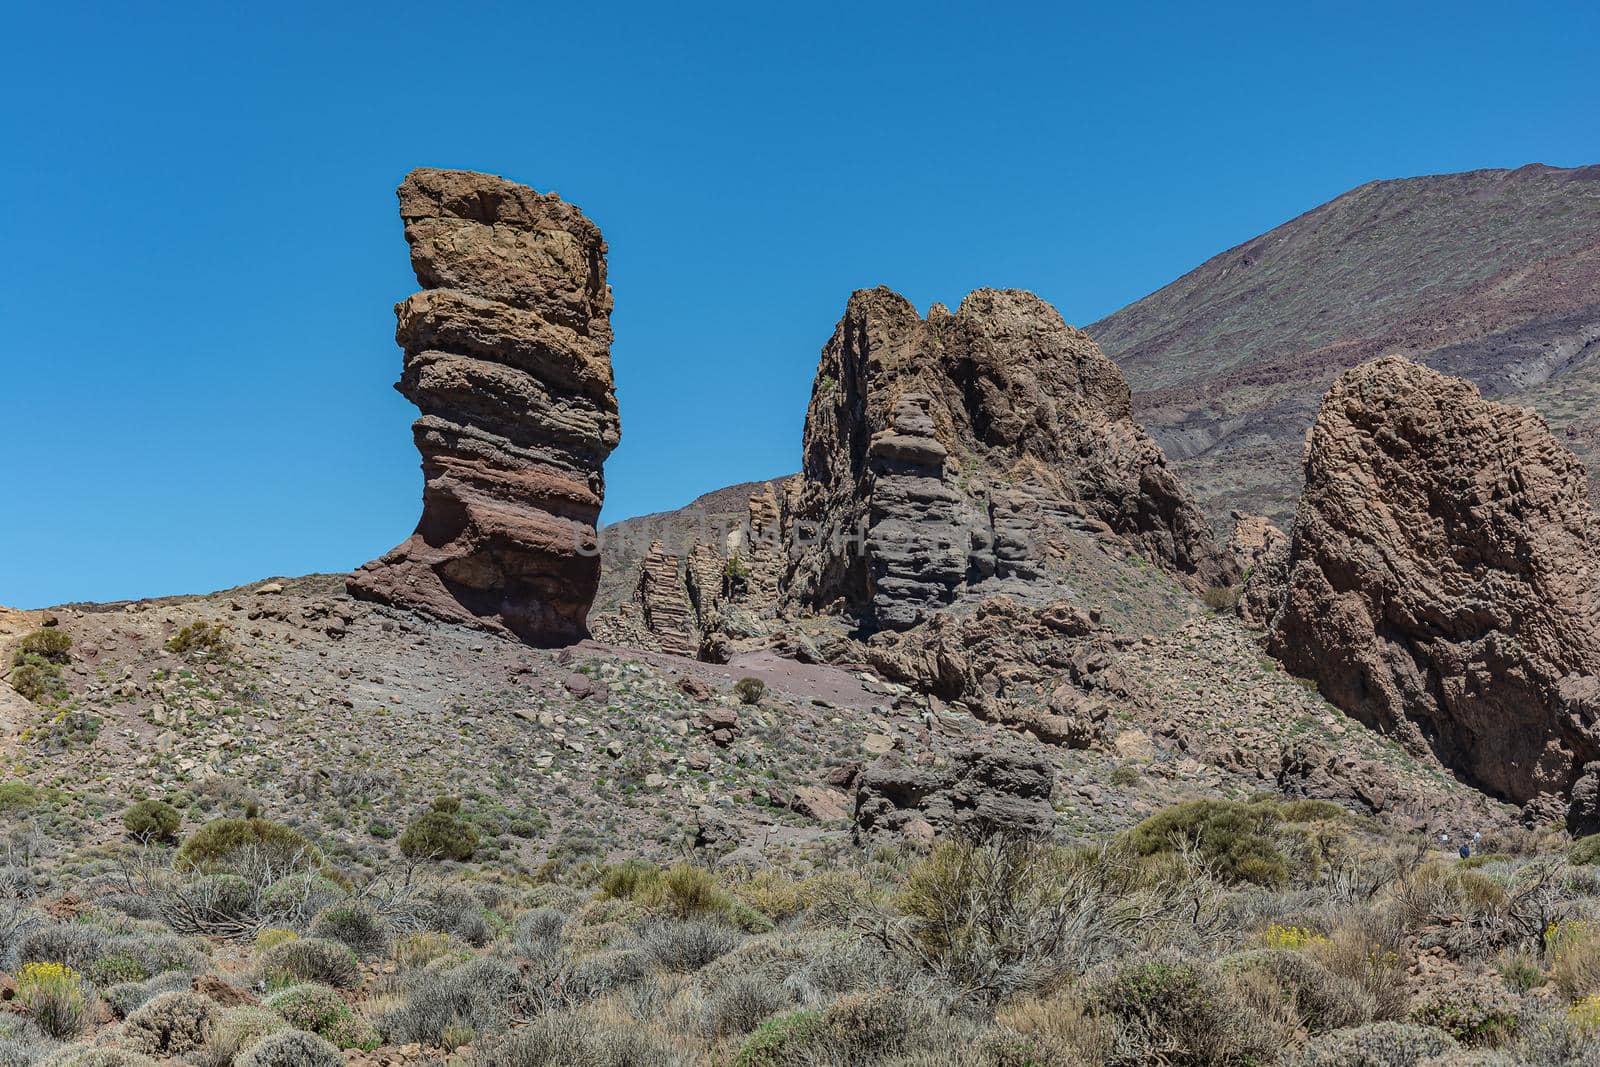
[[1443, 580], [941, 452], [1261, 552], [664, 604], [721, 601], [986, 789], [507, 354]]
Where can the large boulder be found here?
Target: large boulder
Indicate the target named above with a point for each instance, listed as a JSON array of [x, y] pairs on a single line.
[[998, 788], [940, 453], [507, 354], [1443, 579]]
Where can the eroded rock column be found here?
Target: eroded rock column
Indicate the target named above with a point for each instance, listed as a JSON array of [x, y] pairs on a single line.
[[507, 354]]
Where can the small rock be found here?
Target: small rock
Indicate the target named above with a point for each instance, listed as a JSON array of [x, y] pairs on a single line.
[[877, 744]]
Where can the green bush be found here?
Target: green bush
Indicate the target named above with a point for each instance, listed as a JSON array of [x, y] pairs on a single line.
[[291, 1048], [152, 820], [310, 959], [438, 834], [320, 1010], [1222, 599], [1234, 838], [784, 1040], [750, 690], [115, 968], [1300, 811], [859, 1028], [622, 881], [223, 844], [37, 679], [200, 637], [51, 643], [355, 923], [17, 795], [1586, 850]]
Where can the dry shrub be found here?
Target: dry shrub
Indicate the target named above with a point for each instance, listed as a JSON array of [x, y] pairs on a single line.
[[1015, 915], [579, 1039], [1317, 998], [236, 1030], [1574, 959], [1164, 1008], [1365, 949], [687, 945], [171, 1024], [1385, 1044], [1475, 1012], [477, 998], [739, 1005], [291, 1048], [1057, 1030]]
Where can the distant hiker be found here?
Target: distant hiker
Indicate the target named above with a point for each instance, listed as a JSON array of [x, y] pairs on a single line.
[[1444, 842], [1466, 850]]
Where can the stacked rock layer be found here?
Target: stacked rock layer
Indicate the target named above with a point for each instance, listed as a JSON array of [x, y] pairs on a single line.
[[939, 452], [507, 354]]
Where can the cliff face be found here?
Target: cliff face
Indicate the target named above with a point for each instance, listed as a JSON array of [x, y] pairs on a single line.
[[940, 452], [1492, 276], [1443, 580], [507, 354]]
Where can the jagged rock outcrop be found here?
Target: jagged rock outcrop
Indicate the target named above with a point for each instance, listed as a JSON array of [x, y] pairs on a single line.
[[1443, 581], [507, 354], [941, 452], [664, 604], [986, 789], [722, 602]]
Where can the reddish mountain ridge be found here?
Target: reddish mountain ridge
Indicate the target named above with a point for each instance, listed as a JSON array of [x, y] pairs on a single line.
[[1490, 275]]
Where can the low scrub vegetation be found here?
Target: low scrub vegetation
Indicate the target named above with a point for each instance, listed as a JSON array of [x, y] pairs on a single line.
[[1213, 933]]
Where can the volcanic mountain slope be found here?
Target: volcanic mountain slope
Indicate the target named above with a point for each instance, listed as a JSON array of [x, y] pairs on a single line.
[[1490, 275]]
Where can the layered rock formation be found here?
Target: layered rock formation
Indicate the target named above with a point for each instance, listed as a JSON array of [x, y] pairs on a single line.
[[664, 604], [1443, 580], [507, 354], [940, 453]]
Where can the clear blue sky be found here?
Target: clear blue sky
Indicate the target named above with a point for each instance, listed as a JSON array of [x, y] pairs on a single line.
[[201, 250]]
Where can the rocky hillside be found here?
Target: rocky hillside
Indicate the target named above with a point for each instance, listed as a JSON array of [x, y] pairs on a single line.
[[1492, 275]]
